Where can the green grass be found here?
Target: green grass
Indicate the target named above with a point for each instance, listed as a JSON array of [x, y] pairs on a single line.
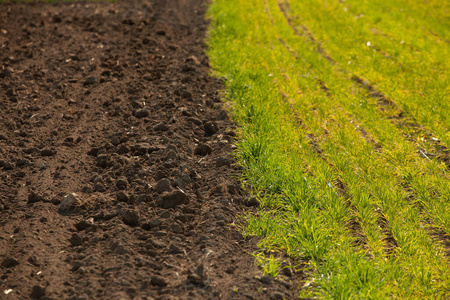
[[351, 175]]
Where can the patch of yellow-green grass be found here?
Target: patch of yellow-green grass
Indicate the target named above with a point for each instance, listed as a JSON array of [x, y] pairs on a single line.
[[343, 184], [400, 47]]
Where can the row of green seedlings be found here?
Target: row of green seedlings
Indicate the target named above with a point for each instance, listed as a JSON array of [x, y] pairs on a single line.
[[421, 188], [428, 146], [408, 64], [432, 191]]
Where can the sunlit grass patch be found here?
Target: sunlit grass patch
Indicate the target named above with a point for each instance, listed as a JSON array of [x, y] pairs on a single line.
[[343, 108]]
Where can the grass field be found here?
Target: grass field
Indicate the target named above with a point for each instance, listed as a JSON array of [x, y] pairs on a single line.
[[345, 113]]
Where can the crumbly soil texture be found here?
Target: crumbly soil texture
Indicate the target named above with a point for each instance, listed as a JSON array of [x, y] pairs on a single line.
[[117, 179]]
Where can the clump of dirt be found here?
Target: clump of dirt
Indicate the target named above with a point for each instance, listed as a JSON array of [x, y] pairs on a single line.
[[117, 180]]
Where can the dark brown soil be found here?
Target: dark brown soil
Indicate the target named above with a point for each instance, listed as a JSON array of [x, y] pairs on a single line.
[[113, 102]]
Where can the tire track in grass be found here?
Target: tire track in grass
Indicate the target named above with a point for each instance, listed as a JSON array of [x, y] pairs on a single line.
[[354, 226], [330, 264], [355, 266], [284, 6], [401, 118], [423, 70], [267, 10], [387, 106], [439, 37], [306, 229], [302, 228], [357, 230], [390, 213], [313, 141], [380, 221]]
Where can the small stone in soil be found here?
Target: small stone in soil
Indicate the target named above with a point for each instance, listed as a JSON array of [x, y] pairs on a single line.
[[287, 272], [186, 94], [160, 174], [140, 198], [210, 128], [56, 201], [141, 149], [155, 223], [202, 149], [160, 127], [22, 162], [180, 183], [33, 198], [174, 249], [48, 152], [121, 249], [82, 225], [222, 161], [8, 166], [122, 197], [89, 80], [223, 115], [231, 133], [158, 244], [130, 217], [266, 279], [277, 296], [76, 265], [9, 262], [115, 141], [68, 201], [195, 121], [94, 151], [33, 260], [37, 292], [122, 182], [197, 277], [123, 149], [102, 161], [142, 113], [163, 186], [75, 240], [171, 155], [158, 281], [171, 200]]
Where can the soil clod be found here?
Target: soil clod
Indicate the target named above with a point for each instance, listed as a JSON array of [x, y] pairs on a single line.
[[75, 240], [173, 199], [9, 262], [37, 292], [158, 281], [203, 149], [68, 202], [130, 217]]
